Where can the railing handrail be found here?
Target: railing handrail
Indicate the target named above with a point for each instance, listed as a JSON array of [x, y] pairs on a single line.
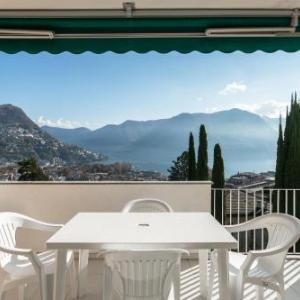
[[258, 188]]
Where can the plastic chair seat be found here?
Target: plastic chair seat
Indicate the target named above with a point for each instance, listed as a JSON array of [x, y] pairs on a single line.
[[21, 267], [258, 269]]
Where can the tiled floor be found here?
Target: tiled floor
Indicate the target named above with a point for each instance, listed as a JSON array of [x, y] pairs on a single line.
[[190, 289]]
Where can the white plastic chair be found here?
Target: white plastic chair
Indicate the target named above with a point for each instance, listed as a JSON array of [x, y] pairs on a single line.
[[263, 268], [147, 205], [22, 267], [142, 274]]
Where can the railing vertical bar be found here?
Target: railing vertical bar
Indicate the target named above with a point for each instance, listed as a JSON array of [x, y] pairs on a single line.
[[286, 200], [278, 198], [254, 215], [214, 201], [294, 214], [270, 201], [246, 218], [223, 206], [230, 207], [262, 213], [238, 217]]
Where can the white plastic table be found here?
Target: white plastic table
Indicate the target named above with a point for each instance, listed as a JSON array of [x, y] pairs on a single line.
[[103, 231]]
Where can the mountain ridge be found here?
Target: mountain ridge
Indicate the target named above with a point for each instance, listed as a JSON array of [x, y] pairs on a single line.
[[248, 141]]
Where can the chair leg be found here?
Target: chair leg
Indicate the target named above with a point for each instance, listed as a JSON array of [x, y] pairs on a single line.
[[177, 283], [42, 284], [259, 293], [73, 280], [281, 293], [23, 292], [107, 283], [238, 292], [50, 281], [3, 296]]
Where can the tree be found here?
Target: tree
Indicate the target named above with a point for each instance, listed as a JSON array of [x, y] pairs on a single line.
[[217, 176], [192, 175], [179, 170], [279, 177], [292, 146], [218, 182], [288, 160], [202, 163], [29, 170]]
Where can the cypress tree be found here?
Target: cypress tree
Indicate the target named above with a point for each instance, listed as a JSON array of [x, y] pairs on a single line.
[[286, 144], [218, 182], [288, 163], [191, 159], [217, 176], [202, 163], [292, 146], [279, 174]]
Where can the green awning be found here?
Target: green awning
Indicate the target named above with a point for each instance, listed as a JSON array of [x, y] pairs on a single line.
[[120, 35]]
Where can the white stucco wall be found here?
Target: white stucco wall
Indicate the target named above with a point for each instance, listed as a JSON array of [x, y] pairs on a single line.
[[58, 202]]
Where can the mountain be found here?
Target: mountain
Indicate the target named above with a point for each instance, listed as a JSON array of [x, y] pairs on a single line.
[[274, 122], [66, 135], [248, 142], [21, 138]]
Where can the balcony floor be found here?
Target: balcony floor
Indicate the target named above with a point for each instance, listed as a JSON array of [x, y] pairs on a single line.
[[190, 283]]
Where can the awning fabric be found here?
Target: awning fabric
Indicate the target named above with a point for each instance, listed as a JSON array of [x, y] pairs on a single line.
[[146, 25], [120, 26]]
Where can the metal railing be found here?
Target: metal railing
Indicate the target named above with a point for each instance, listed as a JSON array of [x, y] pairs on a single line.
[[234, 206]]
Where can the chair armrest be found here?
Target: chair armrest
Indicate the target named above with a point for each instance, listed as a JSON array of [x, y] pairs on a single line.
[[16, 251], [40, 225], [29, 253], [236, 228], [269, 251], [252, 224]]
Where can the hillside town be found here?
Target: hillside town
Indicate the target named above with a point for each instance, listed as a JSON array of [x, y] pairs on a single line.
[[251, 180], [58, 171]]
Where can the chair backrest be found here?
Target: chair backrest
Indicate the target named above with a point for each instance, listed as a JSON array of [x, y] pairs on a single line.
[[143, 274], [283, 231], [9, 223], [147, 205]]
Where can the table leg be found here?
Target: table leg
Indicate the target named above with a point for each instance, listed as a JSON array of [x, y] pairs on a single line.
[[60, 274], [203, 260], [82, 272], [223, 273]]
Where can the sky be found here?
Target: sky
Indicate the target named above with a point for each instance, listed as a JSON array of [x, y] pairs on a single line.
[[91, 90]]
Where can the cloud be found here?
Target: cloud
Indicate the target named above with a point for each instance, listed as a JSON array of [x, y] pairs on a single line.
[[233, 88], [42, 121], [270, 108]]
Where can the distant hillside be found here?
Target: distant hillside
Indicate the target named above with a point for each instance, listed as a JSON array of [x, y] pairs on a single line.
[[274, 122], [21, 138], [66, 135], [248, 141]]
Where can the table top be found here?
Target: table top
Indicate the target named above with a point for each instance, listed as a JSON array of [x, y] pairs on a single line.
[[126, 231]]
